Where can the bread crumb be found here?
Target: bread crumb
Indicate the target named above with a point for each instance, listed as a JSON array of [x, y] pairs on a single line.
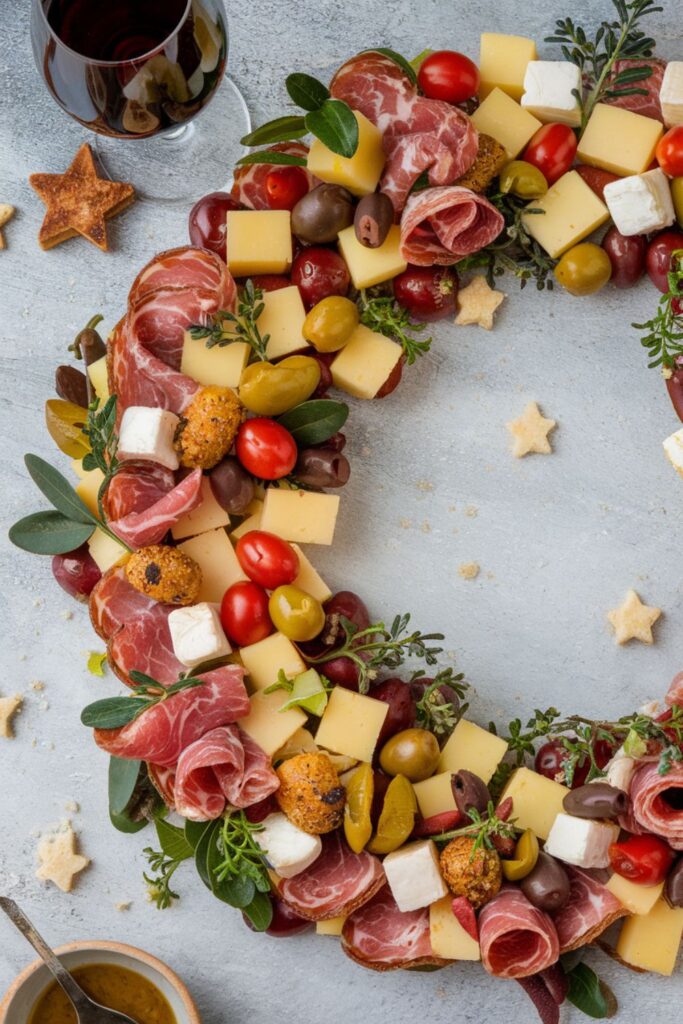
[[67, 614], [71, 807], [426, 526], [472, 511], [9, 706], [424, 485], [37, 685], [405, 523], [468, 570], [123, 905]]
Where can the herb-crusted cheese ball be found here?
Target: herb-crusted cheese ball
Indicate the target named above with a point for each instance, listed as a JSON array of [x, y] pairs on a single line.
[[310, 793], [208, 427], [165, 574], [477, 877]]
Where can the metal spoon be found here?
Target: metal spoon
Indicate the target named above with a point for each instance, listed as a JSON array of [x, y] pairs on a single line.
[[87, 1011]]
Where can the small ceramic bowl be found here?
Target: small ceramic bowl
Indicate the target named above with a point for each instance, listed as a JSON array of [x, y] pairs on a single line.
[[28, 986]]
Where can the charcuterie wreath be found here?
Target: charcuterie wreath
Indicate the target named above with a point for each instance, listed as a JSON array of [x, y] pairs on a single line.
[[316, 765]]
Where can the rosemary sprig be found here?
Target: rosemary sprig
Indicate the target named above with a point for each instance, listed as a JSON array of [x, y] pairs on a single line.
[[100, 430], [664, 337], [383, 314], [433, 711], [482, 828], [225, 327], [243, 858], [159, 889]]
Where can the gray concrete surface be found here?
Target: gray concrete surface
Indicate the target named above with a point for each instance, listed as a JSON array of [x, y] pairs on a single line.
[[559, 539]]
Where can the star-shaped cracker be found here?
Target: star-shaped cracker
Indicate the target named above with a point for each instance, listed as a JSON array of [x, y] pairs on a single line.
[[8, 707], [58, 860], [530, 432], [633, 620], [477, 303], [6, 213], [79, 202]]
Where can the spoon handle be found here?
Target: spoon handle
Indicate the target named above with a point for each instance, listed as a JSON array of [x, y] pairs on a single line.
[[56, 968]]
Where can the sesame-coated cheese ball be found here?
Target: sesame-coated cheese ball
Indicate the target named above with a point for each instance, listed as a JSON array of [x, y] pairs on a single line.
[[208, 427], [164, 574], [310, 793]]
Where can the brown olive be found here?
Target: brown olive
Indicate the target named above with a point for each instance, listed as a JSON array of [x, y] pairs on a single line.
[[322, 467], [469, 791], [547, 886], [71, 385], [673, 888], [232, 486], [322, 213], [596, 800], [373, 219], [413, 753], [91, 345]]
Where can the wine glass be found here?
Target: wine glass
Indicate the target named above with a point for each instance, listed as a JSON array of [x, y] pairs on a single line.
[[139, 73]]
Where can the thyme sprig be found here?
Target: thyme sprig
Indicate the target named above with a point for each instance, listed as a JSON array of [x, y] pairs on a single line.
[[100, 429], [614, 40], [482, 828], [225, 327], [159, 889], [243, 858], [664, 337], [383, 314], [433, 711]]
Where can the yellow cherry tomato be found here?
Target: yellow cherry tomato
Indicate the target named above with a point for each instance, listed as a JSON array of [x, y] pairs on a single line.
[[397, 819], [677, 196], [269, 389], [65, 422], [524, 861], [330, 323], [523, 180], [359, 794], [584, 269], [295, 613]]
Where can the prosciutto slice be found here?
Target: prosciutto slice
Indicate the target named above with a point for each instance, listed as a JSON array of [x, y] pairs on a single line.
[[657, 802], [441, 225], [250, 180], [136, 487], [186, 267], [224, 766], [590, 909], [139, 378], [138, 529], [336, 884], [380, 936], [163, 780], [165, 730], [648, 105], [516, 938], [674, 695]]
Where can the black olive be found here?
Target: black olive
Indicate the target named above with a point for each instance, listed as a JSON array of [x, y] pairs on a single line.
[[373, 219], [322, 467], [547, 886], [322, 213], [71, 385], [469, 792], [232, 486], [673, 889], [596, 800]]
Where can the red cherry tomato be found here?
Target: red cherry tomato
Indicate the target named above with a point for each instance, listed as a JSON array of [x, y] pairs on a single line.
[[270, 282], [596, 178], [285, 186], [642, 859], [552, 149], [265, 449], [428, 293], [658, 259], [244, 613], [267, 560], [669, 152], [207, 221], [319, 272], [448, 75]]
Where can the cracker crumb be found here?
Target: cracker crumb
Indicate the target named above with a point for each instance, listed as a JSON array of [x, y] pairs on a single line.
[[424, 485], [405, 523], [472, 511], [9, 706], [123, 905], [72, 807], [468, 570], [67, 614], [426, 526], [37, 685]]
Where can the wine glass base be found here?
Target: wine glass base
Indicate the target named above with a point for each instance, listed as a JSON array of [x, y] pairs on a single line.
[[183, 165]]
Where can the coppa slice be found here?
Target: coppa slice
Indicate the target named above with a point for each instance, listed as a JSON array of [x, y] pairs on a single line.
[[164, 731], [138, 378], [379, 936], [441, 225], [184, 267], [649, 104], [516, 939], [655, 802], [138, 529], [136, 487], [337, 883], [590, 909], [250, 181]]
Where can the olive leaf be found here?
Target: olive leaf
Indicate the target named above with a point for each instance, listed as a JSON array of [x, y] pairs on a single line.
[[130, 795], [281, 129], [123, 777], [58, 490], [260, 911], [266, 157], [589, 994], [405, 66], [173, 840], [307, 92], [315, 421], [49, 533], [112, 712], [334, 123]]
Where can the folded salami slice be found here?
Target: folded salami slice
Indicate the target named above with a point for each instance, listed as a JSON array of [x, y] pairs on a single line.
[[165, 730], [516, 938], [649, 104], [441, 225], [136, 487], [380, 936], [657, 801], [591, 909], [138, 529], [249, 186], [336, 884]]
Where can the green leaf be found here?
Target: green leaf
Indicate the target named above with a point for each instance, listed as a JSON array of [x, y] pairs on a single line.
[[123, 778], [111, 712], [315, 421], [336, 127], [194, 830], [58, 490], [96, 662], [264, 157], [207, 840], [307, 92], [49, 533], [408, 67], [586, 993], [238, 891], [173, 840], [122, 823], [282, 129], [260, 911]]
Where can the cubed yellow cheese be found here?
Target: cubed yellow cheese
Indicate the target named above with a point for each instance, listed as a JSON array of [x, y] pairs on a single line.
[[435, 795], [208, 515], [536, 801], [267, 724], [77, 466], [368, 267], [106, 552], [283, 320], [99, 378], [504, 120], [359, 173], [302, 516], [252, 522], [473, 748], [263, 660], [652, 941], [301, 742], [449, 939], [502, 63], [215, 556], [571, 210], [619, 140], [220, 365], [88, 489], [331, 927], [351, 724], [310, 580], [259, 242], [638, 899], [365, 363]]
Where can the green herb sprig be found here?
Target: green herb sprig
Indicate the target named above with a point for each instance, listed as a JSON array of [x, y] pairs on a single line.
[[225, 327], [483, 828], [664, 337], [114, 712], [100, 430], [243, 860], [175, 849], [433, 711], [385, 315]]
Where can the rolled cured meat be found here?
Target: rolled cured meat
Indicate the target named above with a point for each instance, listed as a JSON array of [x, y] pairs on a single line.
[[384, 938], [150, 526], [249, 186], [442, 225], [590, 909], [336, 884], [657, 801], [516, 938]]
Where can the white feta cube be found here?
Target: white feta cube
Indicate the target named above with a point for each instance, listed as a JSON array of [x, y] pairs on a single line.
[[414, 875], [549, 91], [619, 771], [671, 94], [147, 435], [673, 447], [581, 841], [640, 203], [197, 634], [288, 849]]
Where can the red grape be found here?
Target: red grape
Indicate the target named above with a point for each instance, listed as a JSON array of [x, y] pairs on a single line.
[[674, 386], [285, 921], [319, 272], [401, 714], [270, 282], [428, 293], [76, 572], [207, 221], [658, 258], [627, 256]]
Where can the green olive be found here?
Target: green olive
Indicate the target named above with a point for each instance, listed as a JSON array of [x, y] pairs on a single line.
[[330, 323], [269, 389], [413, 753], [295, 613], [523, 179], [677, 196], [584, 269], [524, 861]]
